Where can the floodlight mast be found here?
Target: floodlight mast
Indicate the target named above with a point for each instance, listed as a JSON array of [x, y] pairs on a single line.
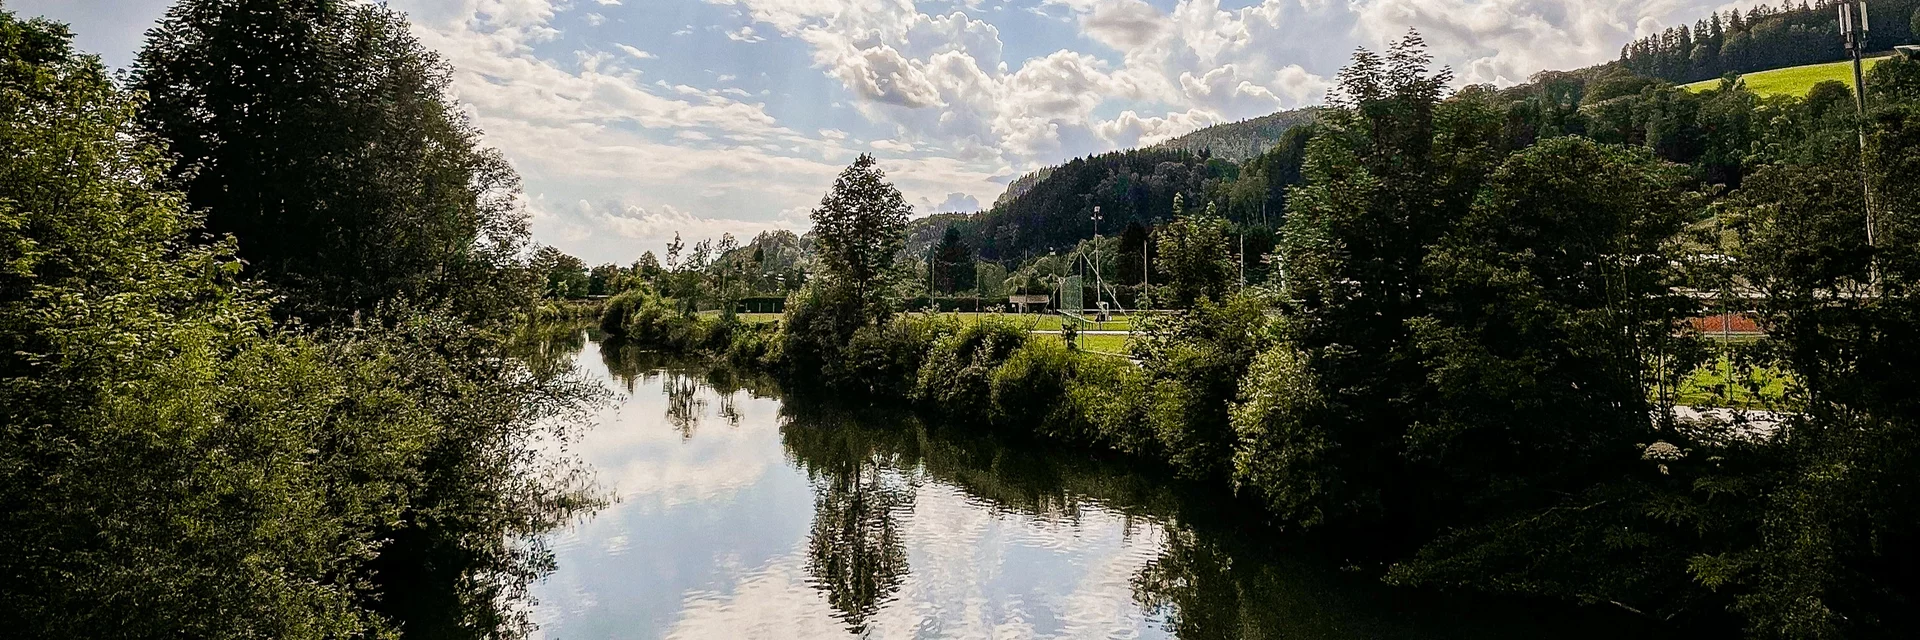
[[1096, 254], [1856, 43]]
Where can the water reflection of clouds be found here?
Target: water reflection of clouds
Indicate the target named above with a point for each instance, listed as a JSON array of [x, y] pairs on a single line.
[[974, 574], [645, 459]]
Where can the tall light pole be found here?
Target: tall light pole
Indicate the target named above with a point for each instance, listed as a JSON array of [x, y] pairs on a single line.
[[1096, 255], [1855, 32]]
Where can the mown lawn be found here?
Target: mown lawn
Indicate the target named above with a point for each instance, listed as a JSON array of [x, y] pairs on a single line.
[[1044, 322], [1708, 387], [1104, 343], [1795, 81], [1047, 325], [1035, 321], [760, 318]]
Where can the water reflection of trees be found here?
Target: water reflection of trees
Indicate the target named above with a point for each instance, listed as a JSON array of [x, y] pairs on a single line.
[[855, 555], [549, 349], [684, 404], [1218, 575], [631, 365], [683, 379]]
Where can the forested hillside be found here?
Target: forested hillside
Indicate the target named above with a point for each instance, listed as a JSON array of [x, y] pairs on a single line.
[[1764, 37], [1128, 186], [1051, 209], [1244, 140]]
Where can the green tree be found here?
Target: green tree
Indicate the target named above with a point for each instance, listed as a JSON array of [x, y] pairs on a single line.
[[953, 263], [124, 347], [837, 323], [564, 276], [319, 134], [1278, 170], [1195, 252], [1832, 499], [990, 279], [858, 231], [174, 464], [1557, 307], [604, 280], [648, 268], [1390, 172], [1556, 303], [1131, 260]]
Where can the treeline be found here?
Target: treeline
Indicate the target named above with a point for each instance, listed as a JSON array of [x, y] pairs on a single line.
[[1465, 363], [256, 326], [1039, 235], [708, 275], [1764, 38]]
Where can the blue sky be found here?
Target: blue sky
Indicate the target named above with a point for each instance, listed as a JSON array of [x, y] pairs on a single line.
[[630, 120]]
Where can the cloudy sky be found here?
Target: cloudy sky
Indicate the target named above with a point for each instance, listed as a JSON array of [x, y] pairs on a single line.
[[632, 119]]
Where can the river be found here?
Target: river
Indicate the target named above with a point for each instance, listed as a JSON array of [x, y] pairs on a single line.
[[738, 513]]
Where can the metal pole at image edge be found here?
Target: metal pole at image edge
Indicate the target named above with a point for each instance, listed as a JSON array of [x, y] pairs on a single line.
[[1855, 33]]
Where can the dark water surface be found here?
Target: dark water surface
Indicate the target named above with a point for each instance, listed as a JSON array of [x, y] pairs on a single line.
[[741, 514]]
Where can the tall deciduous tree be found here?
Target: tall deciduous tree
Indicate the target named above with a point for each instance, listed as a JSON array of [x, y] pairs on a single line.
[[563, 276], [1390, 171], [1196, 254], [320, 135], [1556, 306], [859, 229]]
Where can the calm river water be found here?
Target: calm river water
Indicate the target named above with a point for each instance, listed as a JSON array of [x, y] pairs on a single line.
[[740, 514]]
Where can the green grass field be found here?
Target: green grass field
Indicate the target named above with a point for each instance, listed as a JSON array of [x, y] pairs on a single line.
[[1047, 325], [1105, 343], [1044, 322], [1040, 322], [1708, 387], [1794, 81]]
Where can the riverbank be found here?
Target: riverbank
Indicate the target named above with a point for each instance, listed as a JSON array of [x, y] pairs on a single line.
[[1194, 404], [775, 511]]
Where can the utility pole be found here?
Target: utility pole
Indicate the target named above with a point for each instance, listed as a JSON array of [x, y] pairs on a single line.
[[1855, 32]]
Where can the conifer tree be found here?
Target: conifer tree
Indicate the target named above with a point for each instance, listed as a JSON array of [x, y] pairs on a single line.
[[954, 263]]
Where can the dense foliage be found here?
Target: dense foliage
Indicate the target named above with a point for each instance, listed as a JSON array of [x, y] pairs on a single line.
[[318, 135], [174, 461], [953, 264]]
